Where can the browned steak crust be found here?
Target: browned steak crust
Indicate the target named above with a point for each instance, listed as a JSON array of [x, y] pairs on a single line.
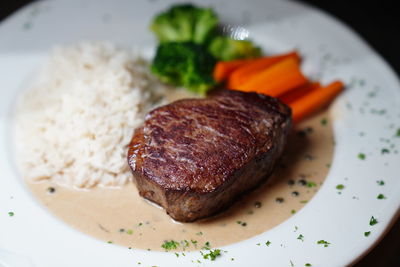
[[194, 157]]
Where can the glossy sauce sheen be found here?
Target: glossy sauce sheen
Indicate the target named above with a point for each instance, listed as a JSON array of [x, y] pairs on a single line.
[[122, 217]]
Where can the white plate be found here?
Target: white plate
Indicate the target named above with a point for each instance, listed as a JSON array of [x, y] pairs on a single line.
[[366, 120]]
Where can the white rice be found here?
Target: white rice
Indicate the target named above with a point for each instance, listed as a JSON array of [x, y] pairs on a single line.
[[74, 124]]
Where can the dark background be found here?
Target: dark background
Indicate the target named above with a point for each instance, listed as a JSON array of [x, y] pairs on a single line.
[[378, 22]]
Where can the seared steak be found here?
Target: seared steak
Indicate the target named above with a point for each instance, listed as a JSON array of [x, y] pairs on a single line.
[[194, 157]]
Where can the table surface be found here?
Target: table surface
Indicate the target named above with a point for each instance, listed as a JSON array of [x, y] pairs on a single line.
[[379, 26]]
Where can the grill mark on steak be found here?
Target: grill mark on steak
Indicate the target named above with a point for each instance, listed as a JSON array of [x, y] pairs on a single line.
[[194, 157]]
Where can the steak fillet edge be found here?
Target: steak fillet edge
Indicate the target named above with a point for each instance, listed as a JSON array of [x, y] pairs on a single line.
[[195, 157]]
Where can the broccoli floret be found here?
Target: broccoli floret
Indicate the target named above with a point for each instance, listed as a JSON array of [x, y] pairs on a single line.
[[185, 64], [226, 48], [185, 22]]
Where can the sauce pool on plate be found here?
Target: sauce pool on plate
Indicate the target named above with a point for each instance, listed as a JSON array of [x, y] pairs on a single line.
[[120, 216]]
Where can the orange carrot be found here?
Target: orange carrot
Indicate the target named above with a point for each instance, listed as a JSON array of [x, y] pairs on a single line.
[[315, 100], [224, 68], [275, 80], [296, 93], [244, 72]]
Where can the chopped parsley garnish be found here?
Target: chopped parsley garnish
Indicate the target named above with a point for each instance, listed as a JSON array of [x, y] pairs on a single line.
[[328, 165], [381, 196], [268, 243], [10, 213], [398, 132], [385, 151], [129, 231], [367, 233], [212, 254], [194, 242], [324, 121], [381, 182], [373, 221], [300, 237], [199, 233], [293, 211], [207, 245], [291, 264], [169, 245], [304, 201], [361, 156], [307, 264], [177, 255], [241, 223], [109, 242], [185, 243], [340, 187], [323, 242], [311, 184]]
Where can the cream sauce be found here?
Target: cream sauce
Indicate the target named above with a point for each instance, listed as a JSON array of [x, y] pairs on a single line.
[[122, 217]]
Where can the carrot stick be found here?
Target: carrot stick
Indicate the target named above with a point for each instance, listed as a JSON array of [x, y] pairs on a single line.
[[315, 100], [242, 74], [291, 96], [224, 68], [275, 80]]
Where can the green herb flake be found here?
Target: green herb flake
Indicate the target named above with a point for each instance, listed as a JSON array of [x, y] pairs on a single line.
[[381, 182], [185, 243], [177, 255], [373, 221], [291, 263], [361, 156], [194, 242], [268, 243], [232, 259], [300, 237], [207, 245], [340, 187], [304, 201], [258, 244], [385, 151], [241, 223], [398, 132], [381, 196], [311, 184], [323, 242], [324, 121], [293, 211], [307, 264], [109, 242], [199, 233], [212, 254], [170, 245], [367, 233], [129, 232], [11, 214]]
